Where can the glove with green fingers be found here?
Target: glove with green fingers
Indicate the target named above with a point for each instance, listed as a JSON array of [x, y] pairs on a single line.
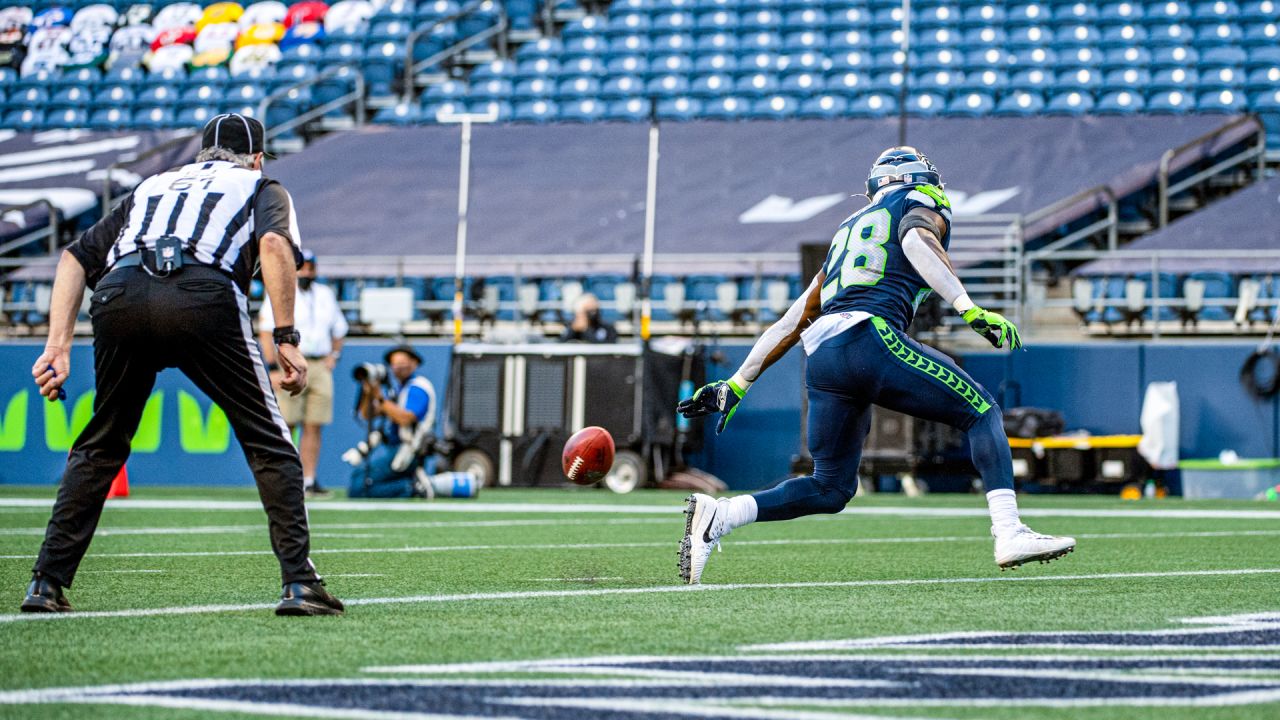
[[721, 396], [994, 327]]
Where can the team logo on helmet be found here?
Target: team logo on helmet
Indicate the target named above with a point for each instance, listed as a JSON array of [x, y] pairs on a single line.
[[903, 164]]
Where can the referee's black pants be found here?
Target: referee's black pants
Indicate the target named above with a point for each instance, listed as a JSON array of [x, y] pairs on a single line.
[[198, 322]]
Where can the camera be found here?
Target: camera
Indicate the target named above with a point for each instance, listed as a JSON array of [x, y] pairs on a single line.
[[375, 373]]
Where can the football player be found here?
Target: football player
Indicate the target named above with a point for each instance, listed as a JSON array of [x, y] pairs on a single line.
[[884, 260]]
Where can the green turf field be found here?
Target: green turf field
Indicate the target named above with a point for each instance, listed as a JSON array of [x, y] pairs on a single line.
[[560, 604]]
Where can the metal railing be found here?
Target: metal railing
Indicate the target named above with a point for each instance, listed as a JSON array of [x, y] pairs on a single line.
[[1257, 153], [986, 251], [47, 233], [356, 96], [412, 67], [1155, 262], [1108, 223]]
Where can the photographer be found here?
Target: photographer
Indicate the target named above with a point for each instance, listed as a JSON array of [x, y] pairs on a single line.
[[587, 324], [401, 418]]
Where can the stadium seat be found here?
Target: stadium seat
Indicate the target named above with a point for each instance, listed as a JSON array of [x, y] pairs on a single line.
[[153, 118], [1132, 79], [628, 110], [1121, 102], [925, 104], [1168, 287], [1020, 103], [711, 86], [1173, 57], [823, 106], [1070, 103], [536, 111], [726, 108], [1215, 286], [1174, 79], [586, 109], [756, 85], [1222, 101], [679, 108], [535, 89], [1170, 101], [971, 104], [775, 107], [399, 114]]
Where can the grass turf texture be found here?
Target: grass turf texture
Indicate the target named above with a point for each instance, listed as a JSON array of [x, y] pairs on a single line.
[[399, 554]]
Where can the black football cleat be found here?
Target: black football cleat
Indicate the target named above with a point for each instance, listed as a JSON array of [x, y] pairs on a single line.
[[44, 596], [308, 598]]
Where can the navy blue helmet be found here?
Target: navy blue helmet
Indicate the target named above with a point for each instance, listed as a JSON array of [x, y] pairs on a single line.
[[902, 164]]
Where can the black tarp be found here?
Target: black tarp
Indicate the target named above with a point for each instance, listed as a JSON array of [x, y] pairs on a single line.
[[579, 190], [1246, 222], [69, 169]]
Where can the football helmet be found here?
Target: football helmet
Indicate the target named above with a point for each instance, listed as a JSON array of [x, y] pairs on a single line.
[[903, 164]]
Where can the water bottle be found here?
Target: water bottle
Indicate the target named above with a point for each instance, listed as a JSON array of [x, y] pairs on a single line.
[[456, 483]]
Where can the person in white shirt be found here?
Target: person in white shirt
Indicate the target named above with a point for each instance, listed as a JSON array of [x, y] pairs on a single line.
[[319, 319]]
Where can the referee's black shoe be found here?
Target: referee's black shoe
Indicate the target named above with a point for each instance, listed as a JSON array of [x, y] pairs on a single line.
[[44, 596], [308, 598]]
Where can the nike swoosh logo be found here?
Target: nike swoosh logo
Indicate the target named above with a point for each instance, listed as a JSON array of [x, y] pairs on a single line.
[[706, 534]]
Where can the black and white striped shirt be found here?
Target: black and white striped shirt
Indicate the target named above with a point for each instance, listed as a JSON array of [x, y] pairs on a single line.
[[218, 209]]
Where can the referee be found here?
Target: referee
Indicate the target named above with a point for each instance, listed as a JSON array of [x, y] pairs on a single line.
[[170, 267]]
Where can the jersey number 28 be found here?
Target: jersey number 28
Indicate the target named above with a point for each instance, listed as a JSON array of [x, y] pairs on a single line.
[[857, 255]]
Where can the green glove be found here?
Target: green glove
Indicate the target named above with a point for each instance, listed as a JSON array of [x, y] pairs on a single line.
[[721, 396], [994, 327]]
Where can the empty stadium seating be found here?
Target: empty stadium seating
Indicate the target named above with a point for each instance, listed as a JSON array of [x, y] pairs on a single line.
[[724, 59]]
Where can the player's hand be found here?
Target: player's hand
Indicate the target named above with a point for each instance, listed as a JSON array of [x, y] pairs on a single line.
[[51, 371], [721, 396], [294, 366], [994, 327]]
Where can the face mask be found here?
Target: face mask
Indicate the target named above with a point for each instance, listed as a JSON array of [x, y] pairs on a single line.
[[304, 283], [593, 317]]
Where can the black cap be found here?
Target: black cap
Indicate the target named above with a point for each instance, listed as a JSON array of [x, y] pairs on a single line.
[[235, 132], [406, 349]]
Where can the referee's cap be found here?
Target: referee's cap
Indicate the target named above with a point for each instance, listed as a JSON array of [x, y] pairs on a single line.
[[235, 132]]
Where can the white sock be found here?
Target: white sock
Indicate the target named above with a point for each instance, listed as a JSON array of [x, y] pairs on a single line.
[[741, 510], [1003, 505], [308, 482]]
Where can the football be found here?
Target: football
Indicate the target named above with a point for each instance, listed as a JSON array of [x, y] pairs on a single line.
[[588, 455]]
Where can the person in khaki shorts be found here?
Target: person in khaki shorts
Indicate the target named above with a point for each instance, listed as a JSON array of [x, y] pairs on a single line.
[[319, 319]]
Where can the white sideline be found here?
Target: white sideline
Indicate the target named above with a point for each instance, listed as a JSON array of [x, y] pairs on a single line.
[[660, 589], [258, 527], [654, 544], [670, 509]]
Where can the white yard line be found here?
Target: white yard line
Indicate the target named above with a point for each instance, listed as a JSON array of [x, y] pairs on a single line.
[[122, 571], [661, 589], [666, 509], [649, 544]]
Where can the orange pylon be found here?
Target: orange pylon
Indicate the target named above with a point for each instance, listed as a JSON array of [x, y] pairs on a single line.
[[120, 486]]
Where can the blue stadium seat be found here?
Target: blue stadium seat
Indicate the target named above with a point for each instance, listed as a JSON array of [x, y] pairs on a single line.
[[618, 65], [200, 95], [153, 118], [1170, 101], [535, 111], [631, 110], [847, 40], [940, 81], [670, 65], [583, 66], [1070, 36], [767, 20], [83, 76], [1174, 79], [823, 106], [1168, 287], [1263, 78], [383, 65], [1036, 80], [1259, 11], [626, 24], [665, 86], [807, 62], [1173, 56], [971, 104], [30, 97], [756, 85], [536, 67], [1172, 34], [775, 107], [331, 88], [803, 42], [984, 37], [343, 52], [1080, 57], [984, 81], [1217, 286], [1215, 35], [1075, 13], [719, 21], [578, 88], [447, 90], [1109, 289], [711, 86], [192, 116], [1029, 13], [926, 104], [1221, 78], [551, 48], [944, 59], [1263, 55], [620, 87], [726, 108], [848, 17], [802, 84], [853, 60], [991, 13], [631, 44], [760, 42], [1021, 103], [1256, 34], [1223, 55], [1126, 11], [492, 89], [1080, 79], [1168, 11], [538, 88], [1133, 79], [1221, 101], [109, 118], [69, 97], [812, 19], [679, 108], [159, 95], [590, 25], [1129, 57], [398, 114], [671, 23], [584, 110], [887, 82], [69, 117], [1214, 11], [246, 93], [1070, 103], [1031, 36], [114, 96], [872, 105], [1123, 37], [1038, 57], [586, 46]]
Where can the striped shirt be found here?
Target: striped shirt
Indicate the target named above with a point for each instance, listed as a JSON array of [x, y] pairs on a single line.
[[217, 209]]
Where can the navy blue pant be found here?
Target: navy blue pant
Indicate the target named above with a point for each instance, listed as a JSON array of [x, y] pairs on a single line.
[[873, 364]]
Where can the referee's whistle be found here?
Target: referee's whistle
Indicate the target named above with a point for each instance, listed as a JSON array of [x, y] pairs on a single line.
[[62, 393]]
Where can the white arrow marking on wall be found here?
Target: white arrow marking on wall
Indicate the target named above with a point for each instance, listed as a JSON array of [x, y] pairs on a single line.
[[778, 209], [962, 203]]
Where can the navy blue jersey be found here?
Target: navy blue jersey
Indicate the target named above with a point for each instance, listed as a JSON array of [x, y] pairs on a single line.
[[866, 269]]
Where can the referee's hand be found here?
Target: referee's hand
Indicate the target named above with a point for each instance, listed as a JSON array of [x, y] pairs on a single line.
[[294, 366], [51, 370]]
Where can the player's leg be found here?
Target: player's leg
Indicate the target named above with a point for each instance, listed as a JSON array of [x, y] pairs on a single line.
[[125, 373], [838, 425], [920, 381]]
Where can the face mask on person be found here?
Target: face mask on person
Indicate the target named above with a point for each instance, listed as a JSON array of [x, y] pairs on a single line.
[[593, 318], [304, 283]]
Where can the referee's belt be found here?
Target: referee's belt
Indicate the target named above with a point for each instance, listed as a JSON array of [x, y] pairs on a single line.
[[147, 260]]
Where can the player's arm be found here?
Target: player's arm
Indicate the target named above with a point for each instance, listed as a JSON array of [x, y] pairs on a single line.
[[723, 396], [920, 232]]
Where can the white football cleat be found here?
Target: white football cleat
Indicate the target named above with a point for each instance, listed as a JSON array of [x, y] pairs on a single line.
[[1022, 545], [703, 528]]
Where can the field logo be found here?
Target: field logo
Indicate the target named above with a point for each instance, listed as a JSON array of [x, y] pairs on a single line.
[[1215, 662]]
